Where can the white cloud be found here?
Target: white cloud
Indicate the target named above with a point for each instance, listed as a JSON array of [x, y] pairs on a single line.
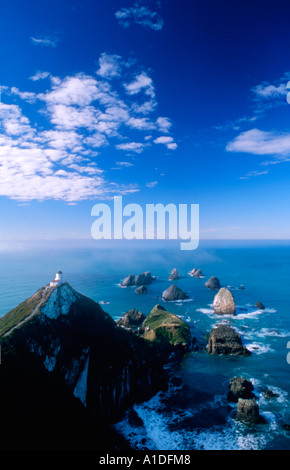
[[164, 124], [124, 164], [260, 142], [140, 123], [84, 114], [254, 173], [139, 14], [142, 82], [44, 41], [144, 108], [120, 165], [39, 76], [28, 96], [268, 91], [136, 147], [152, 184], [166, 140], [78, 90], [13, 121], [109, 66], [70, 117]]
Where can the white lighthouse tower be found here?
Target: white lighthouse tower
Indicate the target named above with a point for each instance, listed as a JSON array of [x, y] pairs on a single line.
[[58, 280]]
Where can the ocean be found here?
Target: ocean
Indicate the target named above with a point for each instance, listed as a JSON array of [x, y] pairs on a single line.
[[194, 412]]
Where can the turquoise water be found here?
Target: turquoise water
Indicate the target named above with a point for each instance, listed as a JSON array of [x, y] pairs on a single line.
[[194, 413]]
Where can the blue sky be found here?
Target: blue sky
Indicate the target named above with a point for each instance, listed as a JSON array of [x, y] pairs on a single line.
[[158, 101]]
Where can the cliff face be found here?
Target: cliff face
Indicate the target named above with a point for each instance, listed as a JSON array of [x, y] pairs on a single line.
[[61, 352]]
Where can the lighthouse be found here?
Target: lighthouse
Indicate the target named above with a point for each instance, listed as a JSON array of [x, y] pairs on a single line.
[[58, 280]]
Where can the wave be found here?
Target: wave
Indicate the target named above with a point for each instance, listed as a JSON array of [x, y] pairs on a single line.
[[155, 429], [242, 312], [258, 348]]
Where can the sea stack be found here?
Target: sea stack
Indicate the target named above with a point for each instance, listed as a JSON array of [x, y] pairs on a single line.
[[225, 340], [174, 293], [240, 387], [195, 273], [128, 281], [224, 303], [131, 319], [248, 411], [174, 275], [213, 283]]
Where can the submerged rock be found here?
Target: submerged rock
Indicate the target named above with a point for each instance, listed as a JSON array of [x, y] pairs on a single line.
[[224, 303], [174, 275], [225, 340], [213, 283], [174, 293], [248, 411], [268, 393], [240, 387]]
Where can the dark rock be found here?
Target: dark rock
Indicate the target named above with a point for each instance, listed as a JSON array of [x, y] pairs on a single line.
[[129, 281], [195, 272], [131, 319], [225, 340], [141, 290], [174, 293], [240, 388], [75, 370], [248, 411], [224, 303], [268, 393], [142, 279], [259, 306], [213, 283], [174, 275], [139, 280]]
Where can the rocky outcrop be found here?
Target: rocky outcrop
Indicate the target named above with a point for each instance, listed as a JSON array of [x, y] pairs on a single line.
[[68, 371], [174, 275], [213, 283], [225, 340], [269, 394], [166, 330], [224, 303], [128, 281], [144, 278], [248, 411], [240, 387], [259, 306], [174, 293], [141, 290], [131, 319], [195, 273], [139, 280]]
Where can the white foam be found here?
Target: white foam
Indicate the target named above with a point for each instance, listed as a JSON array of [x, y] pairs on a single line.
[[258, 348], [206, 311], [272, 332]]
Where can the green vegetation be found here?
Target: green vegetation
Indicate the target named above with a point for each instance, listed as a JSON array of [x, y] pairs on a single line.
[[164, 327], [19, 313]]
